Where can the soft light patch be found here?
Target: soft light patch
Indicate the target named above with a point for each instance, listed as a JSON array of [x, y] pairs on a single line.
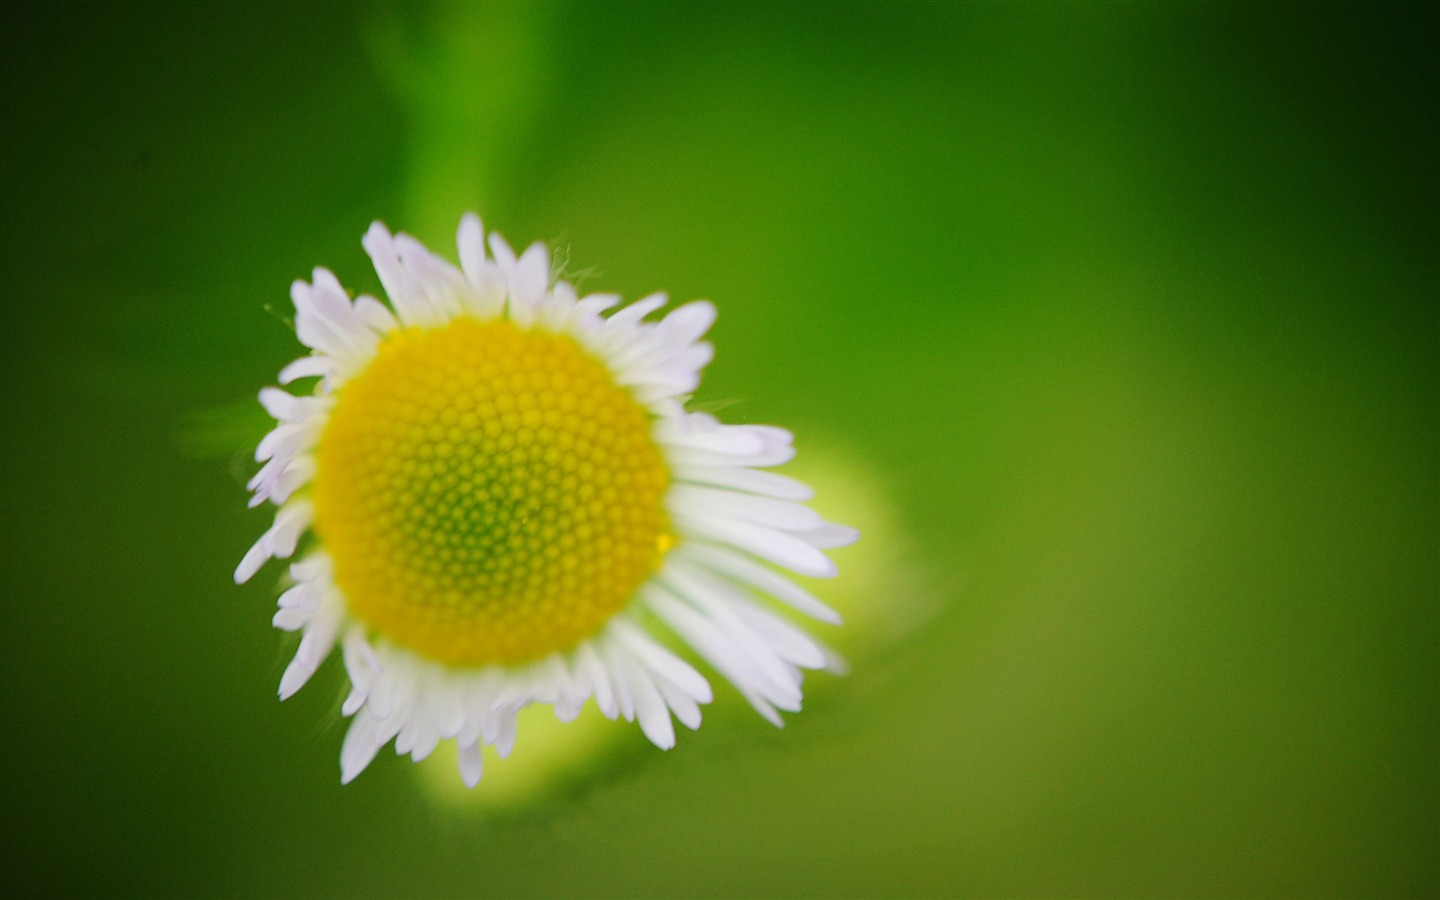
[[487, 494]]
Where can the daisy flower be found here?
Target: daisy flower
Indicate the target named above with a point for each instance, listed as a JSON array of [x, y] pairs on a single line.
[[495, 497]]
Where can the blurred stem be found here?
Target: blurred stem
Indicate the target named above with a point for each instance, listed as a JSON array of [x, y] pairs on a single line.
[[472, 78]]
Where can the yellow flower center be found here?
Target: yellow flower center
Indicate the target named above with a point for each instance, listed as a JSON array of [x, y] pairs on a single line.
[[488, 494]]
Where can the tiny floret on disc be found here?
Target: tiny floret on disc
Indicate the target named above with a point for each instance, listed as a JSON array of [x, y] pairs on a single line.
[[495, 497]]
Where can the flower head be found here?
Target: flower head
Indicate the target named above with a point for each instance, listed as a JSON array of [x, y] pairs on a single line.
[[497, 494]]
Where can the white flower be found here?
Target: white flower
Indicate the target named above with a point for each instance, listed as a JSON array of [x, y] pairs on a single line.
[[499, 494]]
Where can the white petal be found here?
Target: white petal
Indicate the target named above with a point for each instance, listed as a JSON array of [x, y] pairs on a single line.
[[624, 698], [284, 441], [449, 711], [681, 704], [745, 570], [719, 600], [594, 304], [409, 301], [829, 535], [427, 737], [361, 665], [730, 441], [314, 646], [685, 324], [362, 741], [650, 708], [753, 481], [661, 661], [291, 618], [470, 241], [767, 543], [588, 662], [722, 652], [505, 737], [281, 406], [301, 596], [471, 763], [767, 511], [504, 256], [305, 367], [296, 475], [290, 522], [376, 315], [254, 558], [631, 315], [774, 452], [442, 283], [788, 642], [531, 275]]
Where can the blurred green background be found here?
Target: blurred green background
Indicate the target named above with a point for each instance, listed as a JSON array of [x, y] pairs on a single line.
[[1128, 312]]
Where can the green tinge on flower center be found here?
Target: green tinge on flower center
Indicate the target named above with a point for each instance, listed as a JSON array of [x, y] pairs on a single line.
[[488, 494]]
